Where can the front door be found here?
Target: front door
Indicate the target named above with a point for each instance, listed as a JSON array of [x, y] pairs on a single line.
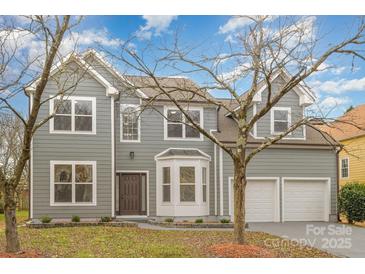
[[132, 194]]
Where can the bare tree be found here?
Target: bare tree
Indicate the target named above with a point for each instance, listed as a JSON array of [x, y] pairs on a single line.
[[16, 71], [264, 49]]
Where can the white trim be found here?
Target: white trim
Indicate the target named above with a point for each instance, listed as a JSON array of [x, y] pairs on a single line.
[[348, 167], [215, 182], [254, 112], [221, 181], [110, 68], [113, 153], [73, 163], [147, 172], [277, 194], [73, 131], [201, 123], [327, 198], [31, 164], [272, 119], [204, 157], [136, 106]]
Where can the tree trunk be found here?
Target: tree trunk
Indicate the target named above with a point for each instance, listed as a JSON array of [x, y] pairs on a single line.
[[239, 187], [11, 232]]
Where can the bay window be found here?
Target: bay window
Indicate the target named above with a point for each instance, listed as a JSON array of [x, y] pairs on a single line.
[[187, 184], [166, 184]]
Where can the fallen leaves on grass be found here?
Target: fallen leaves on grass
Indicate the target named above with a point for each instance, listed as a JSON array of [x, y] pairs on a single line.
[[22, 254], [230, 250]]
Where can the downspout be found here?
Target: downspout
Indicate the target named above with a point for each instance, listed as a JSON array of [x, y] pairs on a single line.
[[218, 109], [29, 163], [338, 180]]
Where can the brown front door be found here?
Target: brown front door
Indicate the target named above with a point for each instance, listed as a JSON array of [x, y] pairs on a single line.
[[132, 194]]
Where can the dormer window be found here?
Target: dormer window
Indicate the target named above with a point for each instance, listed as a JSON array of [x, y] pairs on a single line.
[[280, 120]]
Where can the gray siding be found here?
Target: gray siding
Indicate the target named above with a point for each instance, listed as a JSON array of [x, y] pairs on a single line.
[[73, 147], [291, 99], [275, 162], [152, 143]]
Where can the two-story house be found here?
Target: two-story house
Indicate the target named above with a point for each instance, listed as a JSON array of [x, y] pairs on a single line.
[[99, 156]]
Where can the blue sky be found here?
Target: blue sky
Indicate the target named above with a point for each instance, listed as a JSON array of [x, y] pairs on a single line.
[[337, 88]]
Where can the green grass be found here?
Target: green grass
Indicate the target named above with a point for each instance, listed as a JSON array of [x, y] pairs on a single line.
[[20, 215], [114, 242]]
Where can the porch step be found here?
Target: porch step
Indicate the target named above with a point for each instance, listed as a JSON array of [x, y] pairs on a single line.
[[136, 219]]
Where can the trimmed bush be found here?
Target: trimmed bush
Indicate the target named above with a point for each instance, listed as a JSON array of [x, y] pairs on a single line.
[[199, 221], [351, 202], [46, 220], [75, 219], [224, 221], [169, 220], [105, 219]]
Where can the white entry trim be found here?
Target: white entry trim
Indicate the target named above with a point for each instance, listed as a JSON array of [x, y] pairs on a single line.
[[327, 180], [277, 194], [147, 187]]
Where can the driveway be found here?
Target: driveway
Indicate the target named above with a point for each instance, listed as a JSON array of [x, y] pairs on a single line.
[[338, 239]]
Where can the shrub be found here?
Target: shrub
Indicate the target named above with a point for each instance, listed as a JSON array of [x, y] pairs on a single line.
[[351, 202], [75, 219], [224, 221], [105, 219], [199, 221], [46, 220], [169, 220]]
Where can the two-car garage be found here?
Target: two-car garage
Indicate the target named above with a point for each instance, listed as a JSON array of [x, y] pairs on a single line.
[[274, 199]]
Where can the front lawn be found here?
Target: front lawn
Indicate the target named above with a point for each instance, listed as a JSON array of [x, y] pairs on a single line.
[[136, 242], [21, 216]]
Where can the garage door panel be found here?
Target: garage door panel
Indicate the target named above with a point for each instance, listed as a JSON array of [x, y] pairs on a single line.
[[304, 200]]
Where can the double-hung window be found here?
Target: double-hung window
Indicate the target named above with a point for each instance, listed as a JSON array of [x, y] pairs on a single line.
[[204, 183], [130, 123], [73, 183], [187, 184], [166, 184], [179, 127], [73, 115], [280, 119], [345, 168]]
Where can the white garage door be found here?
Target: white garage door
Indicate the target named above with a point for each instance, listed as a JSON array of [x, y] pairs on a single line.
[[262, 200], [305, 200]]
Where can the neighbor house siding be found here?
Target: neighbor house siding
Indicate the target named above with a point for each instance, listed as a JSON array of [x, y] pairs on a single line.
[[277, 162], [152, 143], [74, 147], [355, 151]]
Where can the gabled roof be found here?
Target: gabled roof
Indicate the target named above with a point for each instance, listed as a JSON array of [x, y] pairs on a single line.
[[72, 57], [350, 125]]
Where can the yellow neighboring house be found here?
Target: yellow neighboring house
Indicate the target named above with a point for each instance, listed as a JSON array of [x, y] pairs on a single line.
[[352, 156]]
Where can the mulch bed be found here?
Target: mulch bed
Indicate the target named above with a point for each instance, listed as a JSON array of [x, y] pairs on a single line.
[[230, 250], [22, 254]]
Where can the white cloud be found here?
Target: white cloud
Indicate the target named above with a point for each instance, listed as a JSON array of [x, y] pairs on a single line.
[[155, 25], [331, 102], [237, 22], [236, 73], [338, 86]]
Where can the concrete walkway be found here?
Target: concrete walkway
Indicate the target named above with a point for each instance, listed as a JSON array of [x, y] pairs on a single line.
[[338, 239]]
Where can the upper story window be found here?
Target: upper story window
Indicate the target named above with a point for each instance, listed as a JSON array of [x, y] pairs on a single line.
[[345, 168], [280, 119], [73, 115], [130, 123], [178, 127], [73, 183]]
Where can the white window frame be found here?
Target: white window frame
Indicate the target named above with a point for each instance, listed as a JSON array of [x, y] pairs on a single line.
[[162, 184], [167, 108], [73, 99], [73, 183], [272, 118], [348, 167], [136, 106]]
